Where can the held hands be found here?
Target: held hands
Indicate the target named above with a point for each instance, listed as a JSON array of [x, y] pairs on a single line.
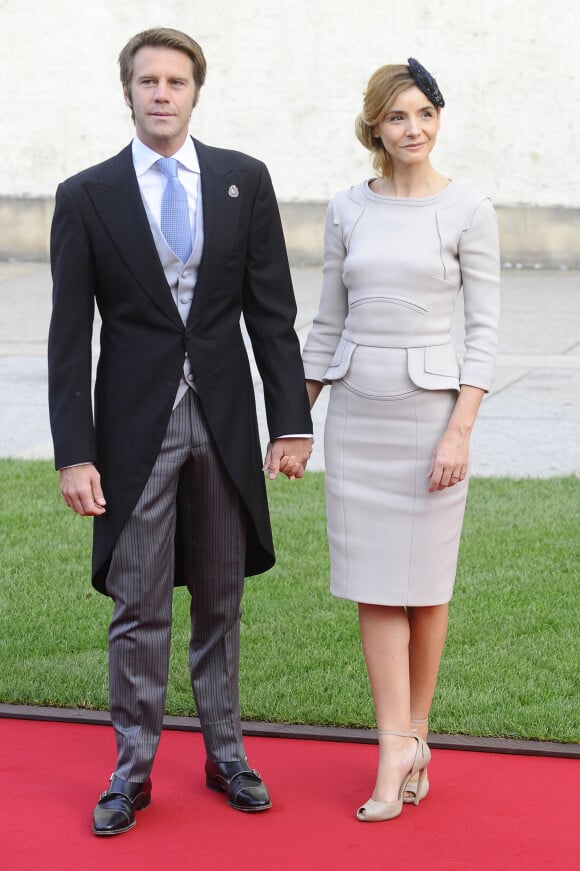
[[80, 487], [287, 455]]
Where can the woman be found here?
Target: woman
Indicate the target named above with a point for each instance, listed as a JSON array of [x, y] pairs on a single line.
[[398, 249]]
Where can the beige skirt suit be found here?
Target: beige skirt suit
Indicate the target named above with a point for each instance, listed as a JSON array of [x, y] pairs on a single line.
[[393, 268]]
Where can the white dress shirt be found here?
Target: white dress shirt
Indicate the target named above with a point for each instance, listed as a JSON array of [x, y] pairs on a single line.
[[152, 180]]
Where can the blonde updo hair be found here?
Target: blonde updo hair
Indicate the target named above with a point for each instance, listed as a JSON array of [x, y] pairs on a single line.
[[383, 88]]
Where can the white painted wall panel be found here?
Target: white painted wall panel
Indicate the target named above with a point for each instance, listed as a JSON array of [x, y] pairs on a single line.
[[285, 82]]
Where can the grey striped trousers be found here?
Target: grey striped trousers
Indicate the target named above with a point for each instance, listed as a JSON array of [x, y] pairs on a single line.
[[140, 581]]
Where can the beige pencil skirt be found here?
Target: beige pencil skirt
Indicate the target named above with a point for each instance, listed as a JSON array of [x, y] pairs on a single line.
[[391, 541]]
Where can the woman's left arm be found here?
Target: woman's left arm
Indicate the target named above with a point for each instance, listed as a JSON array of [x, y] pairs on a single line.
[[480, 271], [479, 259], [450, 460]]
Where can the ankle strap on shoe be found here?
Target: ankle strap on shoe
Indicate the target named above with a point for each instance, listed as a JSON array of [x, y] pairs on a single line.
[[411, 734]]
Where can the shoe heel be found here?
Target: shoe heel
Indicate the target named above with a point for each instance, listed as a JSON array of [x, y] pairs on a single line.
[[144, 799], [419, 794], [426, 758], [143, 802]]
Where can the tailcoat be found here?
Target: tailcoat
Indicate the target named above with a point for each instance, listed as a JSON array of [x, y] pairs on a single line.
[[103, 253]]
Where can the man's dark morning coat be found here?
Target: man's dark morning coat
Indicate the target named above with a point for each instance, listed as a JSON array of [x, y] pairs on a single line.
[[102, 250]]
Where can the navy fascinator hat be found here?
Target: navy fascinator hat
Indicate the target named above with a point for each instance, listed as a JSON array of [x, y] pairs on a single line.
[[425, 82]]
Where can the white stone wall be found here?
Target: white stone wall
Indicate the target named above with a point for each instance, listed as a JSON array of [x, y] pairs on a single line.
[[285, 82]]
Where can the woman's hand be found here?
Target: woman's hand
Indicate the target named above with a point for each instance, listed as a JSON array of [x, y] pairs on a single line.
[[450, 460]]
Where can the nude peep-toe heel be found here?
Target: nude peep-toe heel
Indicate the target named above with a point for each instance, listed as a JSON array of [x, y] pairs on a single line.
[[375, 811], [413, 785]]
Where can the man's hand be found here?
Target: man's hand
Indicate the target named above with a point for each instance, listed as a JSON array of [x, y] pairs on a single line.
[[80, 487], [287, 455]]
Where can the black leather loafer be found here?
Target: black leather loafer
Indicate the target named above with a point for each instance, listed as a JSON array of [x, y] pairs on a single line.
[[115, 810], [244, 787]]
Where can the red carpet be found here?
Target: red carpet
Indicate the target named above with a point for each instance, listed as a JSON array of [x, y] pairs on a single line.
[[486, 812]]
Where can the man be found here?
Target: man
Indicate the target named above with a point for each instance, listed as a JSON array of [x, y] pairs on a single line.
[[173, 252]]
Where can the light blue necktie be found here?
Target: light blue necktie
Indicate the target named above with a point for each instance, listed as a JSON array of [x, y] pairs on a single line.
[[175, 222]]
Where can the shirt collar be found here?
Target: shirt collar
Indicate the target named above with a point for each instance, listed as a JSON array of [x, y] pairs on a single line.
[[144, 157]]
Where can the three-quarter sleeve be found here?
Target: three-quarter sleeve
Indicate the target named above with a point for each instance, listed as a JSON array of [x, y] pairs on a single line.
[[328, 324], [480, 271]]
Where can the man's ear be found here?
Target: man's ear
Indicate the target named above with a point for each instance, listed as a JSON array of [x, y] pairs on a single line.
[[197, 96]]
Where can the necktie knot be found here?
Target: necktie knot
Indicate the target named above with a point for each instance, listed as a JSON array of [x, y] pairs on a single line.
[[168, 166]]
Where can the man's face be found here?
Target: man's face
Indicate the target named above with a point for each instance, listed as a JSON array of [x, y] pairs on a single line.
[[162, 95]]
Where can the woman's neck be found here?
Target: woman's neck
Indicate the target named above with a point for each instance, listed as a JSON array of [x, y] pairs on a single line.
[[421, 181]]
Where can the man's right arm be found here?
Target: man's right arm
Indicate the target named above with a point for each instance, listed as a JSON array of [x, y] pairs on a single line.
[[70, 335]]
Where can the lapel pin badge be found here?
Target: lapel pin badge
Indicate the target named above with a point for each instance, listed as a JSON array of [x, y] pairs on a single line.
[[233, 191]]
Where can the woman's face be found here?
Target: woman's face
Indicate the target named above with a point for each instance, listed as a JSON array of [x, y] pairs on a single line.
[[409, 129]]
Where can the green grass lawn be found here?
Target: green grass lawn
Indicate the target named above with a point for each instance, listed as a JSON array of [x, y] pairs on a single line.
[[510, 667]]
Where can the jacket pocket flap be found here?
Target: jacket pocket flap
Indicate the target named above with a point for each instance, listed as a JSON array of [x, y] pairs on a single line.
[[340, 362], [435, 367], [442, 360]]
